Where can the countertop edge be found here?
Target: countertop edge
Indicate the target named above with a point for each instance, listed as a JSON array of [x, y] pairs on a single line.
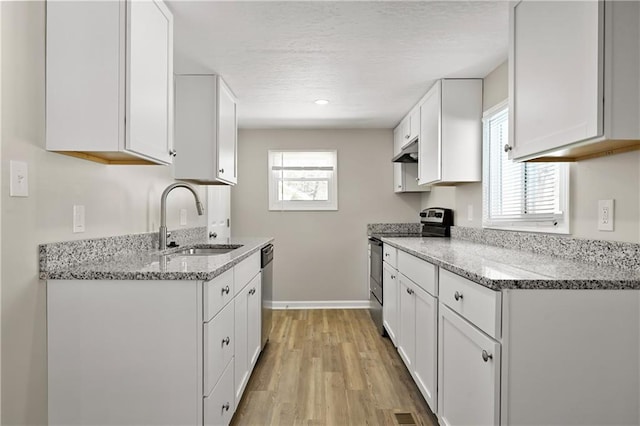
[[71, 274], [521, 284]]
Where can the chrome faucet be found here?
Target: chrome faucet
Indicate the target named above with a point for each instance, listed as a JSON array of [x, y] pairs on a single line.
[[163, 209]]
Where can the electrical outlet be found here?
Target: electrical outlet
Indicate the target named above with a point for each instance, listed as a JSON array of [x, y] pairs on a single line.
[[183, 216], [470, 212], [605, 215], [78, 218]]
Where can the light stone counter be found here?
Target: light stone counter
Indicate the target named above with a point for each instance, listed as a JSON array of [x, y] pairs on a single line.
[[135, 257], [501, 268]]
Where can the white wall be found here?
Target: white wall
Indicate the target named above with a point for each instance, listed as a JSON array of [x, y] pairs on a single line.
[[118, 199], [615, 177], [321, 256]]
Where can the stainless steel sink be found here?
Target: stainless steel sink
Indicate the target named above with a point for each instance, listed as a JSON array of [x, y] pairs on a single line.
[[210, 250]]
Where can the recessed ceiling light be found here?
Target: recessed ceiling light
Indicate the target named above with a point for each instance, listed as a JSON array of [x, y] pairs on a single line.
[[321, 101]]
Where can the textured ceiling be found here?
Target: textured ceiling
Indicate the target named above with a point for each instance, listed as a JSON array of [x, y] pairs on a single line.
[[372, 60]]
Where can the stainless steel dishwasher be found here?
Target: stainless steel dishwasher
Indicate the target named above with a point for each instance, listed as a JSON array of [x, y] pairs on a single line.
[[267, 291]]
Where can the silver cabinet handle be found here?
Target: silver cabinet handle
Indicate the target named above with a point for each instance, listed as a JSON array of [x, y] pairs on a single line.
[[226, 290], [252, 291], [173, 153], [457, 296], [417, 179], [399, 186], [225, 407], [507, 148], [226, 341], [213, 235], [409, 291], [486, 356], [407, 136], [221, 170], [393, 277]]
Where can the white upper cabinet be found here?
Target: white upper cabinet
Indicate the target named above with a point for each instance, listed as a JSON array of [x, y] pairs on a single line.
[[109, 81], [405, 175], [206, 130], [450, 142], [574, 68], [414, 124]]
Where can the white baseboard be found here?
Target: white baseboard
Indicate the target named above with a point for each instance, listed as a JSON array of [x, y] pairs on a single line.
[[321, 304]]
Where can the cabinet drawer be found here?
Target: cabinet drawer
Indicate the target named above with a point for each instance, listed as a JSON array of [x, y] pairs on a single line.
[[217, 293], [246, 270], [421, 272], [218, 346], [480, 305], [390, 255], [219, 406]]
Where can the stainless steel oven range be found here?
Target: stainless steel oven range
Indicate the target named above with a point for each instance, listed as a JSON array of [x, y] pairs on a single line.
[[375, 282]]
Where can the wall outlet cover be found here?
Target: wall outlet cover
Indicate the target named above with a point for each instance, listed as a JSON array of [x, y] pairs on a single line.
[[78, 218], [605, 215]]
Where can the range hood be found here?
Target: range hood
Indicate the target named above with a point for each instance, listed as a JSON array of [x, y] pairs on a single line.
[[409, 153]]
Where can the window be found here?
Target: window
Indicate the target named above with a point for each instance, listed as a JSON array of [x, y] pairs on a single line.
[[520, 196], [303, 180]]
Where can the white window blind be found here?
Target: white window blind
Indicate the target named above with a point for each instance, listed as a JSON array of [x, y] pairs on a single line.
[[303, 180], [520, 196]]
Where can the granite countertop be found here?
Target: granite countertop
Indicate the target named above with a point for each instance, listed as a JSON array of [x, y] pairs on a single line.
[[501, 268], [157, 265]]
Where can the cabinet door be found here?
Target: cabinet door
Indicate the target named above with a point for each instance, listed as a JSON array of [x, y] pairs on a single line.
[[556, 74], [407, 318], [241, 342], [218, 346], [227, 134], [390, 301], [219, 212], [405, 125], [429, 144], [425, 360], [219, 406], [414, 123], [397, 140], [468, 373], [398, 175], [149, 124], [254, 321]]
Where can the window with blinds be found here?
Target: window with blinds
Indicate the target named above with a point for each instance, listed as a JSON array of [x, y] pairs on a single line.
[[520, 196], [303, 180]]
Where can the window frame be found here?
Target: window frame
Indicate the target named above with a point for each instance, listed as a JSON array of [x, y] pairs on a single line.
[[302, 205], [560, 225]]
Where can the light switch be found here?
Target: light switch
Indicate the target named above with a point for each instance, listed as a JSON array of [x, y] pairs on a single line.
[[78, 218], [19, 179]]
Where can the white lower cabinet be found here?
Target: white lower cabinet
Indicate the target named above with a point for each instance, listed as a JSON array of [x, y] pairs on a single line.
[[407, 311], [418, 336], [425, 365], [390, 301], [219, 343], [219, 405], [152, 352], [469, 373], [248, 333]]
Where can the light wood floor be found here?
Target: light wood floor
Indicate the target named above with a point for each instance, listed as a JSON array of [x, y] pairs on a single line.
[[329, 367]]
